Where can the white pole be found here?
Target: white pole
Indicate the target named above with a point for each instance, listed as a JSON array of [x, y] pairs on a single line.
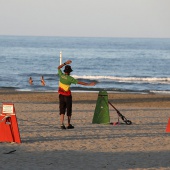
[[60, 57]]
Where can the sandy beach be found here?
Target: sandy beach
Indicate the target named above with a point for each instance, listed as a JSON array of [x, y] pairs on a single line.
[[142, 145]]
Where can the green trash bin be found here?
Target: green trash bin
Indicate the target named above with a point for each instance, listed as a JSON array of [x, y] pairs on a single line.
[[101, 114]]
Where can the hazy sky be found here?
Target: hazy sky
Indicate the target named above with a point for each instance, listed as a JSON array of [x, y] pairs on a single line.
[[92, 18]]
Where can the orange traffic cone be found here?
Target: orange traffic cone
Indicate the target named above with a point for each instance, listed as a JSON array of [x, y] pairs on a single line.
[[168, 126]]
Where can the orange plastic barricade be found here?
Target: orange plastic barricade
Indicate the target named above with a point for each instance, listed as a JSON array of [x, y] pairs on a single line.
[[168, 126], [9, 131]]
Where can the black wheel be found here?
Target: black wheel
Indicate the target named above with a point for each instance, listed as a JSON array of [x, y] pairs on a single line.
[[128, 122]]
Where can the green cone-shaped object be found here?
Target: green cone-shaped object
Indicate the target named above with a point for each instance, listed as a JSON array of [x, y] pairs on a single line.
[[101, 114]]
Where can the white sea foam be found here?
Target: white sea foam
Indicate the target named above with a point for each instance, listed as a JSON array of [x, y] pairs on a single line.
[[160, 92], [160, 80]]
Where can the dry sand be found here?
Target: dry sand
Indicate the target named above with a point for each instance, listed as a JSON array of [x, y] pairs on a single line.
[[142, 145]]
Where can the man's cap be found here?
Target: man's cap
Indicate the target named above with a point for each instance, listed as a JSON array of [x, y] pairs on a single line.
[[68, 69]]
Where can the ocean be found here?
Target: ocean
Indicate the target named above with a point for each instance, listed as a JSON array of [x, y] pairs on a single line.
[[135, 65]]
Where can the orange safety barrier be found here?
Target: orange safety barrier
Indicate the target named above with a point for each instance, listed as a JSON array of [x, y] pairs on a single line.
[[9, 131], [168, 126]]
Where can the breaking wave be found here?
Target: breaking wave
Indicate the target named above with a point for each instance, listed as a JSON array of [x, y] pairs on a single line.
[[151, 80]]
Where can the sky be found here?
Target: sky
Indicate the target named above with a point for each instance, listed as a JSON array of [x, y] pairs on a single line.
[[86, 18]]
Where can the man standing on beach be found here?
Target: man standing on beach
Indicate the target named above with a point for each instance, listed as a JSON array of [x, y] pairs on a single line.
[[65, 97]]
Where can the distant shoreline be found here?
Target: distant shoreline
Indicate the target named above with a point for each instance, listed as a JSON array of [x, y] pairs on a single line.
[[123, 99], [13, 90]]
